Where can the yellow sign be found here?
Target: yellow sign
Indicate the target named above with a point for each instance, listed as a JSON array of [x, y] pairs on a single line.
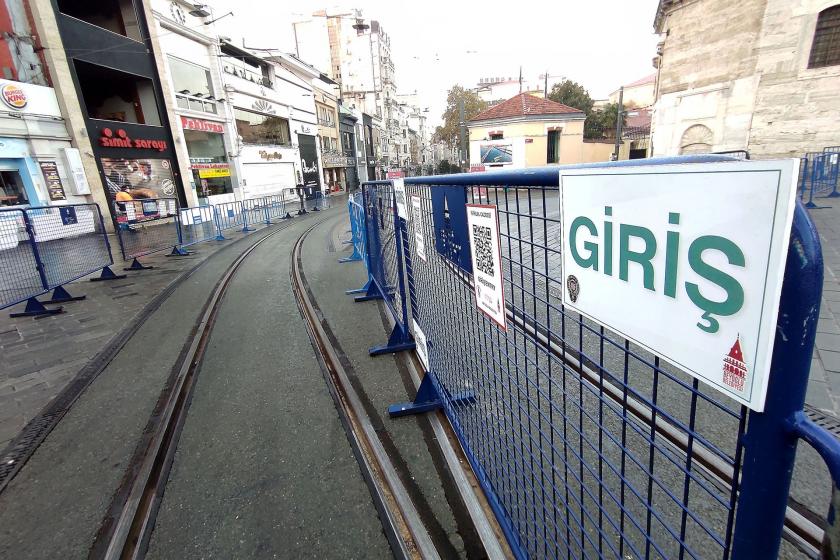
[[214, 172]]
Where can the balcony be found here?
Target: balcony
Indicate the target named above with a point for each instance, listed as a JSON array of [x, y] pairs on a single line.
[[116, 16]]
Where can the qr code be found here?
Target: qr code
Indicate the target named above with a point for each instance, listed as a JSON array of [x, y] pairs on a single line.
[[483, 249]]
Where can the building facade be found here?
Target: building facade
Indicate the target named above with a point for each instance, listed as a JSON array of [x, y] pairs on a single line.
[[756, 75], [194, 94], [108, 80], [347, 130], [527, 131], [326, 108]]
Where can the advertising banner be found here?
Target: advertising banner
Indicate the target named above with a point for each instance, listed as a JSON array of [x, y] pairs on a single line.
[[139, 178], [309, 160]]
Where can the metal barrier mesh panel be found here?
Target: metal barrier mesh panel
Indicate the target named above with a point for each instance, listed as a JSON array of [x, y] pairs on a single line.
[[197, 225], [70, 241], [591, 446], [19, 278], [228, 214], [146, 226]]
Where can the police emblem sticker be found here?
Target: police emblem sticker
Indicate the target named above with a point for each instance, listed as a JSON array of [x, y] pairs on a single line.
[[573, 286]]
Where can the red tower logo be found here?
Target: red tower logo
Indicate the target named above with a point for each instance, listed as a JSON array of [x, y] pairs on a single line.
[[734, 368]]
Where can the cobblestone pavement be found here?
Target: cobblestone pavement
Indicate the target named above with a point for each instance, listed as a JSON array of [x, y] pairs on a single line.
[[41, 356], [824, 388]]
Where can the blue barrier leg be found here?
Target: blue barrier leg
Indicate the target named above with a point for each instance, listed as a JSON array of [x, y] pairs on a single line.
[[426, 400], [267, 216], [361, 290], [60, 295], [107, 274], [370, 290], [245, 228], [35, 308], [399, 340], [137, 265], [178, 252], [219, 236]]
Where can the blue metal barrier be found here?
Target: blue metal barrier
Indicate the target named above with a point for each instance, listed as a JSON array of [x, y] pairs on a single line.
[[197, 224], [276, 207], [45, 248], [146, 226], [256, 212], [229, 215], [822, 177], [356, 212], [585, 445]]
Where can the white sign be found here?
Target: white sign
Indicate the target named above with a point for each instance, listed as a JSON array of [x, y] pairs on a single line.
[[421, 346], [130, 213], [417, 221], [399, 195], [161, 204], [685, 260], [483, 225], [172, 207]]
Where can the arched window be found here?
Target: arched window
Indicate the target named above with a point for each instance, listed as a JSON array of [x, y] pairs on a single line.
[[697, 139], [825, 50]]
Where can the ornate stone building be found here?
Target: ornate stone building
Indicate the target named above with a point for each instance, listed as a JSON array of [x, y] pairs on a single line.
[[756, 75]]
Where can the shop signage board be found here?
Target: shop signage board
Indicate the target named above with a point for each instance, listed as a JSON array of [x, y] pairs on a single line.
[[188, 123], [213, 172], [685, 260], [49, 170]]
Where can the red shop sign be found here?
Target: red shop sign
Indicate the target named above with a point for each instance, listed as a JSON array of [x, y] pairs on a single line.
[[121, 140], [204, 126]]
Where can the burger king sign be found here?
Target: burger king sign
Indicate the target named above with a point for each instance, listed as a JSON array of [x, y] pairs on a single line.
[[13, 96]]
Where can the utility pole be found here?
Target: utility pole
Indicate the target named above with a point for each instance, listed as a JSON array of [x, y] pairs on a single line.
[[520, 78], [618, 122], [462, 125], [545, 88]]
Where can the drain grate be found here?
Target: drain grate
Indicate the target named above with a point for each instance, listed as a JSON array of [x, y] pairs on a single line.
[[824, 420]]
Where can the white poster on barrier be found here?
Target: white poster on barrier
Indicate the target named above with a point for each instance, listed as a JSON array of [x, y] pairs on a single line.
[[172, 207], [685, 260], [130, 214], [483, 225], [417, 221], [399, 196], [161, 204], [420, 344]]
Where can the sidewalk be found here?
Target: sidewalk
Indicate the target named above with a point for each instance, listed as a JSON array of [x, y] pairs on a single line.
[[42, 356], [824, 387]]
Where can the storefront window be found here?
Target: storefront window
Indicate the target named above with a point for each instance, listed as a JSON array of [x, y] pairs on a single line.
[[255, 128], [12, 191], [139, 178], [208, 159]]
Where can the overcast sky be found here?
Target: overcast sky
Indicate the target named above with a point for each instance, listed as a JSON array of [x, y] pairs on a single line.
[[437, 43]]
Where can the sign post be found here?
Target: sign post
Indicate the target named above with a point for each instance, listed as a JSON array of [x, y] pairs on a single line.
[[685, 260]]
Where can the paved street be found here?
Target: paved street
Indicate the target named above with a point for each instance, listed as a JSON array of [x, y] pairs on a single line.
[[824, 387]]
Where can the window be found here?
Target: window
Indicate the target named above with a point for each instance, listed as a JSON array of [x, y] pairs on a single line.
[[497, 136], [193, 87], [255, 128], [117, 96], [553, 155], [116, 16], [12, 191], [825, 50], [325, 116], [346, 142]]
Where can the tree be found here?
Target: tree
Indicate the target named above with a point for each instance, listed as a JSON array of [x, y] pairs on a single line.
[[572, 94], [601, 123], [473, 105]]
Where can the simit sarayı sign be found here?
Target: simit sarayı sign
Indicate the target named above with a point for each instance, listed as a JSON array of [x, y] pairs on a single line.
[[120, 139], [685, 260]]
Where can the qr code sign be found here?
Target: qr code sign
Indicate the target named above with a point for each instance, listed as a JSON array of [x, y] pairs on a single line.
[[482, 241]]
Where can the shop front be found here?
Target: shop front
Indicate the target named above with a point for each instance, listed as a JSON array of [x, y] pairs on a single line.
[[38, 165], [309, 163], [209, 163]]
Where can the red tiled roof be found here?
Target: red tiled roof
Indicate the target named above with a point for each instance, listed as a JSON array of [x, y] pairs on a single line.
[[523, 105], [642, 81]]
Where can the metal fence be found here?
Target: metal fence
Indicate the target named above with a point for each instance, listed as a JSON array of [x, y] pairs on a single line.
[[820, 175], [356, 211], [45, 248], [586, 445], [197, 224], [145, 227]]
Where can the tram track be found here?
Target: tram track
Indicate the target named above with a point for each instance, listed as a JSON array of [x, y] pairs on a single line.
[[126, 531]]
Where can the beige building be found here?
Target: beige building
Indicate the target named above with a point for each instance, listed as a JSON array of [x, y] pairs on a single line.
[[637, 94], [529, 131], [756, 75], [332, 158]]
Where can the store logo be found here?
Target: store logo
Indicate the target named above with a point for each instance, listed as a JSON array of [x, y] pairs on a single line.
[[108, 140], [268, 156], [204, 126], [14, 97]]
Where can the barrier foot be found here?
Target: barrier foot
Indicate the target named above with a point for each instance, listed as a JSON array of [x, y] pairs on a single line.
[[351, 258], [246, 229], [287, 216], [371, 293], [35, 308], [834, 195], [137, 265], [108, 274], [361, 290], [220, 237], [399, 340], [60, 295], [179, 252], [348, 242], [426, 400], [301, 212], [316, 209]]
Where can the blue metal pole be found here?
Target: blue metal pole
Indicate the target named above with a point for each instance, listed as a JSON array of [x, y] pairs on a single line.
[[219, 236], [770, 441]]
